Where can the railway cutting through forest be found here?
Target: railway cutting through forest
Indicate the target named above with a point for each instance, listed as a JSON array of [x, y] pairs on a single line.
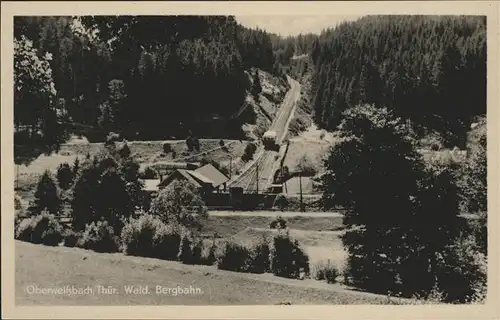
[[258, 174]]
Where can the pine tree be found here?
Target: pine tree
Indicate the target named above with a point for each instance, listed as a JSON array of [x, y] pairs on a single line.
[[64, 176], [256, 88], [46, 196]]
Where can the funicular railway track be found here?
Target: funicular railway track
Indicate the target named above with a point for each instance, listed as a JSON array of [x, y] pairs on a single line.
[[258, 176]]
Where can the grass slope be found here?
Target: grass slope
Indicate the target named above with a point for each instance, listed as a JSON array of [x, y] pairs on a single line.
[[51, 267]]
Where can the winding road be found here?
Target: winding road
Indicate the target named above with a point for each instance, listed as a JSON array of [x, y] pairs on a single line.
[[258, 176]]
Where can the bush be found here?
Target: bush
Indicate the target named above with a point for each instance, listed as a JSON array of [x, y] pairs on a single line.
[[167, 241], [286, 257], [196, 251], [167, 148], [41, 229], [278, 223], [259, 257], [233, 257], [111, 138], [193, 143], [98, 236], [249, 152], [325, 271], [150, 173], [138, 234], [124, 151], [148, 236], [282, 202], [71, 238], [186, 253], [208, 256], [461, 272]]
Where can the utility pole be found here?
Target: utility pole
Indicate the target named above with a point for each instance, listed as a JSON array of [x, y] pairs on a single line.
[[282, 180], [257, 167], [300, 188]]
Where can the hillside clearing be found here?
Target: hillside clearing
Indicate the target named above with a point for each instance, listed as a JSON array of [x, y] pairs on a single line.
[[313, 143], [56, 267]]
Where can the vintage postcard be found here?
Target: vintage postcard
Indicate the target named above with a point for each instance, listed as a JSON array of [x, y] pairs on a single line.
[[290, 160]]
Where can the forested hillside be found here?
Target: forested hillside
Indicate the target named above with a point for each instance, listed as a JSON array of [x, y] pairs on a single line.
[[431, 70], [144, 77]]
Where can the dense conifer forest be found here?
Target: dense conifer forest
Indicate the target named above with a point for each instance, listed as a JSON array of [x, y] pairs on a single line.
[[431, 70], [144, 77]]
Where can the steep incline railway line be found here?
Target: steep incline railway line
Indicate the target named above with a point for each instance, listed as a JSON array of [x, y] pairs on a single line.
[[260, 171]]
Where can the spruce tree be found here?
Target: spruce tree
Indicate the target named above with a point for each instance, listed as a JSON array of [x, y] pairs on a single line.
[[46, 196]]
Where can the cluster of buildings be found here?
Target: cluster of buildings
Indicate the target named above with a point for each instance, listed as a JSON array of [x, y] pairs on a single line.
[[206, 178]]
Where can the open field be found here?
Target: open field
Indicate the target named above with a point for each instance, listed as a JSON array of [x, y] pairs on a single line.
[[56, 267], [314, 143], [228, 225]]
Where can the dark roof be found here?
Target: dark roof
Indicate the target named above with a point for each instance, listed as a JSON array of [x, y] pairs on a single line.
[[207, 174], [199, 177], [215, 177], [183, 173]]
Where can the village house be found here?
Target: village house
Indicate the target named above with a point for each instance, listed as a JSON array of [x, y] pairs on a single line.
[[207, 179]]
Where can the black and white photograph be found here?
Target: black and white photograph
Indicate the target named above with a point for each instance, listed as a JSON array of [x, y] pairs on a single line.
[[277, 160]]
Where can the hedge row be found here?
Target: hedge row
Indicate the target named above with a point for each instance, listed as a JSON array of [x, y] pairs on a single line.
[[148, 236]]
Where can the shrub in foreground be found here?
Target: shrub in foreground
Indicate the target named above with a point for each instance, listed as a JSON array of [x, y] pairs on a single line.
[[325, 271], [287, 259], [166, 242], [41, 229], [462, 272], [71, 238], [98, 236], [259, 257], [233, 257], [189, 250], [148, 236], [208, 255]]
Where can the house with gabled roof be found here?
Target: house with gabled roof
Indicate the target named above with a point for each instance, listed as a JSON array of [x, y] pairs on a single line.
[[207, 178]]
